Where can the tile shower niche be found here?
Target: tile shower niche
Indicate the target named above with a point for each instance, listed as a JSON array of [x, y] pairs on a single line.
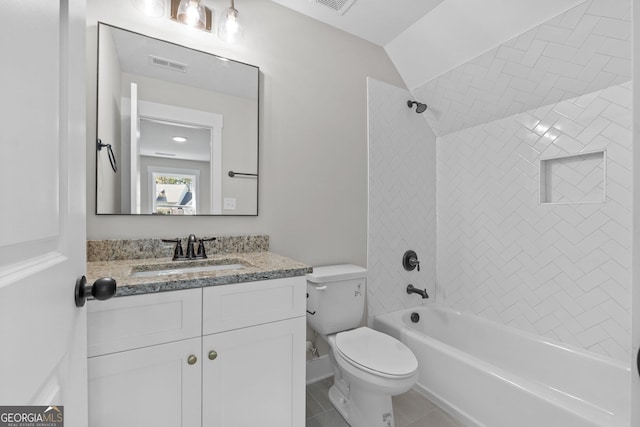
[[579, 178]]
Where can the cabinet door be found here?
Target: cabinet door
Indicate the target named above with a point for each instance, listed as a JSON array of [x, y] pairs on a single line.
[[152, 386], [257, 377], [228, 307], [142, 320]]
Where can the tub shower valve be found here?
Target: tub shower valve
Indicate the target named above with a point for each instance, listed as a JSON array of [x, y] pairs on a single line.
[[410, 260]]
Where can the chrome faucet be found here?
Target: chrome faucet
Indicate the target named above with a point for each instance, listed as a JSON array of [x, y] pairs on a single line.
[[178, 254], [413, 290]]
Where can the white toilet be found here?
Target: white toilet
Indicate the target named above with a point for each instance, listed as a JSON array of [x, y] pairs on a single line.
[[369, 366]]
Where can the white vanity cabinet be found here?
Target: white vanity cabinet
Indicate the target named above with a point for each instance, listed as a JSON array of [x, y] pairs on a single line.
[[138, 368], [227, 356], [254, 354], [151, 386]]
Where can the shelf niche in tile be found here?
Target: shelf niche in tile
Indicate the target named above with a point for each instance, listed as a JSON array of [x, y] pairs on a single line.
[[579, 178]]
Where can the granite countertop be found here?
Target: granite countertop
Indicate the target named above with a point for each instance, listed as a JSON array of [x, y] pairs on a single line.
[[258, 266]]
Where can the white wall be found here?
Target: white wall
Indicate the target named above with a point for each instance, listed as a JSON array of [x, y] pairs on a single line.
[[560, 271], [313, 146], [110, 182], [402, 200]]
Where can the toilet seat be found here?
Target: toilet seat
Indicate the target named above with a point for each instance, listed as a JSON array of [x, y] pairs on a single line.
[[376, 353]]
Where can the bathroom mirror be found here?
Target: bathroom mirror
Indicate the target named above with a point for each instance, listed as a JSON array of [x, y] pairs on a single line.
[[177, 129]]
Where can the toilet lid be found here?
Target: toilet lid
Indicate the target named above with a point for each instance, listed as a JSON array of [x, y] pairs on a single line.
[[376, 351]]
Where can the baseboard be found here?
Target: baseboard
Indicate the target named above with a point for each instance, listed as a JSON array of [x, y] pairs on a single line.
[[319, 369], [447, 407]]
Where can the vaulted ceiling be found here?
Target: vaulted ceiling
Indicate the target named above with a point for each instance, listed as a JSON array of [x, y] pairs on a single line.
[[426, 38]]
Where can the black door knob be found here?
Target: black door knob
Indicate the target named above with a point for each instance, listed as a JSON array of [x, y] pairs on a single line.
[[102, 289]]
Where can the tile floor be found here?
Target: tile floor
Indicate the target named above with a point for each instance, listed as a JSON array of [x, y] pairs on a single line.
[[410, 409]]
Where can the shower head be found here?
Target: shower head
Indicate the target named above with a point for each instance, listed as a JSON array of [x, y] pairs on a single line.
[[420, 107]]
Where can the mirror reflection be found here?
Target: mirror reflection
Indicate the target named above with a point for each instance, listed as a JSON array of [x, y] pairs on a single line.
[[177, 129]]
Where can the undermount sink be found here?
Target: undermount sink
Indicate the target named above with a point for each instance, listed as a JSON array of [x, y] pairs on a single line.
[[185, 267]]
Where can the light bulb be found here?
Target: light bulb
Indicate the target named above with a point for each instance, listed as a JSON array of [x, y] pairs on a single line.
[[232, 24], [229, 28], [192, 13]]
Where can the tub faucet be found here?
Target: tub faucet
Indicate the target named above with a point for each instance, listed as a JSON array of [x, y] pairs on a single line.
[[413, 290]]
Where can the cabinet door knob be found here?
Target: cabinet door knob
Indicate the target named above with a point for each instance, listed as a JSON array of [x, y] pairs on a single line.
[[191, 360], [213, 354]]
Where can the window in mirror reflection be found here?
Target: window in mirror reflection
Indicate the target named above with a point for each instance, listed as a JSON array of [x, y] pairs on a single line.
[[174, 193]]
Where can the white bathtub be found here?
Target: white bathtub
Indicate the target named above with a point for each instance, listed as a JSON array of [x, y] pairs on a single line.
[[496, 376]]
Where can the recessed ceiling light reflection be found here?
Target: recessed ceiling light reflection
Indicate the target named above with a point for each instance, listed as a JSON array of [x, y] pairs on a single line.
[[179, 139]]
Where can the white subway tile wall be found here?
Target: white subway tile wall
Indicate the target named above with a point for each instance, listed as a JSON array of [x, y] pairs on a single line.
[[582, 50], [402, 199], [559, 271], [573, 179]]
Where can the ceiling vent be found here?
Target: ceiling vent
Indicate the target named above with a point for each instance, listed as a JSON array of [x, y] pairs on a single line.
[[167, 63], [340, 6]]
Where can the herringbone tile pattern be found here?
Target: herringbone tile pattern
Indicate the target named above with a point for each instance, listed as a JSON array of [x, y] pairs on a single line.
[[402, 209], [561, 271], [582, 50], [574, 179]]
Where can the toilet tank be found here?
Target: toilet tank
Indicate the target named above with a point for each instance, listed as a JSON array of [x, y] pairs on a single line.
[[336, 297]]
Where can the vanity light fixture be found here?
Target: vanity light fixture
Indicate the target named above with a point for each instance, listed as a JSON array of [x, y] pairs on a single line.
[[229, 28], [179, 139], [151, 8], [192, 13]]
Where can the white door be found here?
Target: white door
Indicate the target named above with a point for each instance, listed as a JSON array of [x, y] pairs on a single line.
[[42, 187]]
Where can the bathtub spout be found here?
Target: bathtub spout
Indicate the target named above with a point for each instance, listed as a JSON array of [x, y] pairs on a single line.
[[413, 290]]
